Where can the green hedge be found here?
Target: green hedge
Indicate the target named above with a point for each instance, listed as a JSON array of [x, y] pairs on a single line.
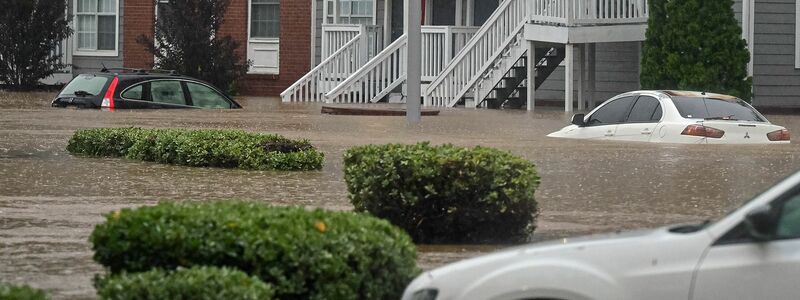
[[199, 148], [201, 283], [304, 254], [445, 194], [20, 292]]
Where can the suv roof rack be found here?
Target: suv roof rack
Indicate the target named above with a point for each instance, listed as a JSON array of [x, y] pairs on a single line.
[[140, 71]]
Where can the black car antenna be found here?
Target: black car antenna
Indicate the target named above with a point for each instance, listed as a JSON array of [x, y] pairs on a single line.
[[104, 69]]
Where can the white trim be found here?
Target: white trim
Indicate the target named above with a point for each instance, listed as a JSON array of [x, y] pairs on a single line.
[[387, 21], [748, 17], [313, 51], [84, 52], [797, 35], [375, 12], [251, 42]]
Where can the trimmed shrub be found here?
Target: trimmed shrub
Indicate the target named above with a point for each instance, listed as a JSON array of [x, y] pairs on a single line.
[[445, 194], [20, 292], [201, 283], [199, 148], [304, 254]]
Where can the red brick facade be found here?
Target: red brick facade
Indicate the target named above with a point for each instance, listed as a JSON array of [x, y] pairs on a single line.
[[295, 41], [137, 20]]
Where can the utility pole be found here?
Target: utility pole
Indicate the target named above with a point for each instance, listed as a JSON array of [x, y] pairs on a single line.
[[413, 29]]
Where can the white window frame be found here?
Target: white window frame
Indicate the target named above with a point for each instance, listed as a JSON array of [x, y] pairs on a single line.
[[337, 17], [76, 51], [250, 23], [272, 43]]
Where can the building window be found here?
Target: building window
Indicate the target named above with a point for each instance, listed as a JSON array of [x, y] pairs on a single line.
[[96, 27], [265, 19], [355, 11], [350, 11]]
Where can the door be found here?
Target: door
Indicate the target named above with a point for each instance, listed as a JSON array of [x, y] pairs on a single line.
[[737, 267], [204, 96], [263, 46], [443, 13], [641, 122], [168, 94], [602, 123]]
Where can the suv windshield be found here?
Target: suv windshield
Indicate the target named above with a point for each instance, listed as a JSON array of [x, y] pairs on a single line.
[[91, 84], [710, 108]]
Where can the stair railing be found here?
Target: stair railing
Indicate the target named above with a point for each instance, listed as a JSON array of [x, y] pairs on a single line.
[[464, 70], [329, 73], [375, 79], [585, 12]]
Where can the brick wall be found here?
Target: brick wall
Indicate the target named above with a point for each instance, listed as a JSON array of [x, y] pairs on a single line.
[[138, 20], [295, 46], [295, 41]]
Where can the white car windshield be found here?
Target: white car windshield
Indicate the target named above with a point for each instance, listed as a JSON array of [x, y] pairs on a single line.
[[717, 109]]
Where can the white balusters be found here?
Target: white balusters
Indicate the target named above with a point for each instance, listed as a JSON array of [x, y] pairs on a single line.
[[461, 74], [586, 12], [374, 80]]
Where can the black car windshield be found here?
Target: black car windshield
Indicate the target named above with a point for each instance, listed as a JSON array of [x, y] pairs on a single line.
[[91, 84], [719, 109]]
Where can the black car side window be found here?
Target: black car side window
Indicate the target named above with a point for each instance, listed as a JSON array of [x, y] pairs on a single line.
[[203, 96], [613, 112], [167, 91], [644, 111], [134, 93], [789, 221]]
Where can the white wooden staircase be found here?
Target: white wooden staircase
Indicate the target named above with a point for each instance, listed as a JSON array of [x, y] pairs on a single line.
[[488, 56], [470, 66]]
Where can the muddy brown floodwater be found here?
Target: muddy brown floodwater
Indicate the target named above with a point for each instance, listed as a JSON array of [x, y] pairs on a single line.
[[50, 200]]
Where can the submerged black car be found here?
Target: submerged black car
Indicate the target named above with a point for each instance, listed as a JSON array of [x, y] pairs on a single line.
[[140, 89]]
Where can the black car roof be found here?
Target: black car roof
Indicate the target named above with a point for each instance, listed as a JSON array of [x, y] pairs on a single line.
[[132, 75], [136, 76]]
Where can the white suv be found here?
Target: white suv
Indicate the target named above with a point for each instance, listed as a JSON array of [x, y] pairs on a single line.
[[752, 253]]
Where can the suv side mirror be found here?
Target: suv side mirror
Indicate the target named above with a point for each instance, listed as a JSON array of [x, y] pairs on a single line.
[[761, 223], [577, 119]]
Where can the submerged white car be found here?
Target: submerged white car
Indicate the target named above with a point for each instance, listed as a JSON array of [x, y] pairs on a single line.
[[675, 117], [752, 253]]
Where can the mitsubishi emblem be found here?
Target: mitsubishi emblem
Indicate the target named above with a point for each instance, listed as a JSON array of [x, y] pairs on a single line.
[[746, 135]]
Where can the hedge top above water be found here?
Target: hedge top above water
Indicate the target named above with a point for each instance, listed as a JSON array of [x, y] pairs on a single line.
[[303, 254], [199, 148], [445, 194], [21, 292], [197, 283]]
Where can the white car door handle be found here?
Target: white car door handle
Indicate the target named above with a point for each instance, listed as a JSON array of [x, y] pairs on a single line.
[[609, 133], [647, 131]]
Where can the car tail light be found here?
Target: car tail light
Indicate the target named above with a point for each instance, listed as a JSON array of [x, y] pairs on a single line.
[[704, 131], [779, 135], [108, 100]]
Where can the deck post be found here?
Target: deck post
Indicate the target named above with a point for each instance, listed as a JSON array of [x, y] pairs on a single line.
[[569, 76], [531, 64], [413, 65], [581, 77], [459, 13], [591, 80], [470, 13]]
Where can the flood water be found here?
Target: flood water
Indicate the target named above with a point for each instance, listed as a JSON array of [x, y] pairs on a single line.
[[50, 200]]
